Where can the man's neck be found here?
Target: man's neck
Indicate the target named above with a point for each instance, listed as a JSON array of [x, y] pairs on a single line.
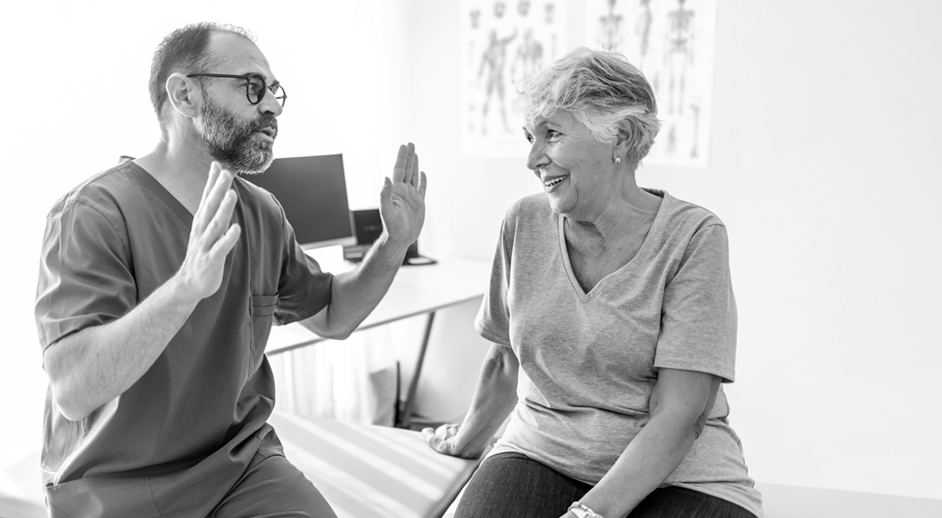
[[179, 168]]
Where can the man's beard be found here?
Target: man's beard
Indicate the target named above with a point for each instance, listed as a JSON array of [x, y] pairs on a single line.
[[233, 142]]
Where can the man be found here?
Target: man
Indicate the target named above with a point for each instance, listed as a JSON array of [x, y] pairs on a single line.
[[158, 284]]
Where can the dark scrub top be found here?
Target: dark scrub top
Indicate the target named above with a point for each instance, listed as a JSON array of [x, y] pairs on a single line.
[[176, 441]]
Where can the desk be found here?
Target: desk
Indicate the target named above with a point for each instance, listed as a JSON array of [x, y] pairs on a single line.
[[416, 290]]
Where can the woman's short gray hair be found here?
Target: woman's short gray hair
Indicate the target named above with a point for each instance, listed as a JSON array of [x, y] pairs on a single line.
[[602, 90]]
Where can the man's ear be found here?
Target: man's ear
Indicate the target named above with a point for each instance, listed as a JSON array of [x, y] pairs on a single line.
[[184, 95]]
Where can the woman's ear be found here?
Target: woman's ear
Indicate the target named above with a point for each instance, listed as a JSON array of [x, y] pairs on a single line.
[[184, 95], [623, 140]]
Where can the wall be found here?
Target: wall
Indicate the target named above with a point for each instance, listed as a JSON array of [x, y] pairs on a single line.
[[76, 98], [825, 168]]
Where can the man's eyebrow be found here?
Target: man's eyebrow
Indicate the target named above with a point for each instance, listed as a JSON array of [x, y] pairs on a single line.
[[262, 75]]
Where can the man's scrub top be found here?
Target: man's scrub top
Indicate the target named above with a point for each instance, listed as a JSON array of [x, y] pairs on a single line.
[[182, 435]]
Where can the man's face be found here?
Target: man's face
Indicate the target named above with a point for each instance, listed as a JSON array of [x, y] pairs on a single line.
[[236, 132], [244, 145]]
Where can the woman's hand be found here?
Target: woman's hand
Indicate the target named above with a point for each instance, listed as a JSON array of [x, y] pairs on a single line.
[[444, 440]]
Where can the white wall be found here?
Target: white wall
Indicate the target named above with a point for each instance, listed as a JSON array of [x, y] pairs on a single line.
[[825, 168], [75, 98]]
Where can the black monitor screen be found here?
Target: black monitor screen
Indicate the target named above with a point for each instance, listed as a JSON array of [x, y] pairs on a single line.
[[313, 192]]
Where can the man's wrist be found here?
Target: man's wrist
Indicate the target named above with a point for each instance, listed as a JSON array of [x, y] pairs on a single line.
[[391, 249], [181, 294]]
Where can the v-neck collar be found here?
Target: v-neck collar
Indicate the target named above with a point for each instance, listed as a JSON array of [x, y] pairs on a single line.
[[151, 185], [612, 277]]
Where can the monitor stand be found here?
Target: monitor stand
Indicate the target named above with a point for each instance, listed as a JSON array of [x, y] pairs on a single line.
[[355, 254]]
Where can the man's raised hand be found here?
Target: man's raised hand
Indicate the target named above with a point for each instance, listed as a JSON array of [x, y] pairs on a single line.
[[402, 200], [211, 237]]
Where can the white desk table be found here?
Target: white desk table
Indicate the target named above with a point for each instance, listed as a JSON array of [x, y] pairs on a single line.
[[417, 290]]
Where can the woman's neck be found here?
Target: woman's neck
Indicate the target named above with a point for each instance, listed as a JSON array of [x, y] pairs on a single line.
[[629, 208]]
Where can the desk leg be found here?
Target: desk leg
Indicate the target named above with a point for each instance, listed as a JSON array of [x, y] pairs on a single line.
[[405, 413]]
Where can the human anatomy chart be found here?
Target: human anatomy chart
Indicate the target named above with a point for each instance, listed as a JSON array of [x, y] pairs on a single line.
[[672, 42], [501, 42]]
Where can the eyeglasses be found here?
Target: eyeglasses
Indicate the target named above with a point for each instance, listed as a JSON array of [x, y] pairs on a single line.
[[255, 87]]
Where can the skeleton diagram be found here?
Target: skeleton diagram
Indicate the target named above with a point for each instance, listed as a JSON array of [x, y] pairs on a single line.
[[679, 57], [493, 60], [529, 56], [611, 29], [643, 31]]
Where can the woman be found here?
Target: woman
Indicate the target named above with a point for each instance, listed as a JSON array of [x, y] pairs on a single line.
[[613, 320]]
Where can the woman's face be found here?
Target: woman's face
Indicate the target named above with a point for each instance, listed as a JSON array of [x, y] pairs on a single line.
[[577, 171]]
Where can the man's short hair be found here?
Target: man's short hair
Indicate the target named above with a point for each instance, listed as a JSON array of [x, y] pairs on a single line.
[[185, 50]]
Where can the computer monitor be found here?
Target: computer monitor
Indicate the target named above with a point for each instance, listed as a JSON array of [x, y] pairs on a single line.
[[313, 192]]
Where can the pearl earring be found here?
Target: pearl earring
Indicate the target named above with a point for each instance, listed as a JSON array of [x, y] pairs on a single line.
[[617, 159]]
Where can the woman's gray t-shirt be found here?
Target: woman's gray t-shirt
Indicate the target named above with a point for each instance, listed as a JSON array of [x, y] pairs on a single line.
[[589, 361]]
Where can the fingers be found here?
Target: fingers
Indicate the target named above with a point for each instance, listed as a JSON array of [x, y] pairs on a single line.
[[412, 172], [212, 199], [406, 164], [224, 244], [385, 194], [399, 170], [433, 440], [219, 224], [442, 438], [422, 184], [214, 169]]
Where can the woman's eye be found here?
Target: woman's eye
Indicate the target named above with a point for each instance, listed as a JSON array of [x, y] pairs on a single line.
[[552, 134]]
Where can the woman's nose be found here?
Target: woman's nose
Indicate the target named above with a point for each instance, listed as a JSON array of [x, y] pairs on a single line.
[[537, 159]]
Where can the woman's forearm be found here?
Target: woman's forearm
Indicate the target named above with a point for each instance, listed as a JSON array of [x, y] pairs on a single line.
[[680, 404], [494, 398], [647, 461]]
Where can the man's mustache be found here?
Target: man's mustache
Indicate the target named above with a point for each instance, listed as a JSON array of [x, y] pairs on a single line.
[[263, 123]]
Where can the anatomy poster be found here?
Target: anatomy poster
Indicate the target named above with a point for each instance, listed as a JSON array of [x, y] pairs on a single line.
[[501, 42], [672, 42]]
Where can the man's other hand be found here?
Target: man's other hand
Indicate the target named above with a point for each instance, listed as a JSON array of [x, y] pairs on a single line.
[[402, 200]]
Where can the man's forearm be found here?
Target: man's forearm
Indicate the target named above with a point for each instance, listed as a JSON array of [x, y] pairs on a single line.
[[354, 294], [97, 364]]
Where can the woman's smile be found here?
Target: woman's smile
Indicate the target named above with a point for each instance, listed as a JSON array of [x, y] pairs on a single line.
[[552, 182]]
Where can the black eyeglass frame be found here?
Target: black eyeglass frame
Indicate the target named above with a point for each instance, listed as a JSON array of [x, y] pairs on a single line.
[[248, 93]]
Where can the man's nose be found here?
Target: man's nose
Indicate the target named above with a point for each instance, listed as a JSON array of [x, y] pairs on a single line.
[[270, 104]]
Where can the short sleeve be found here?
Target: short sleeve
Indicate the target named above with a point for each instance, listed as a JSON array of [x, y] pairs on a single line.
[[698, 315], [303, 288], [493, 320], [85, 275]]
